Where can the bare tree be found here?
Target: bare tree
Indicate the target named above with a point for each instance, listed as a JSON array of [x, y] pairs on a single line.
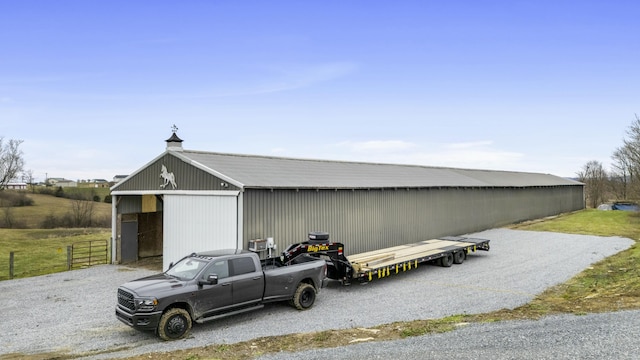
[[595, 178], [626, 166], [28, 177], [11, 161], [622, 173], [81, 212]]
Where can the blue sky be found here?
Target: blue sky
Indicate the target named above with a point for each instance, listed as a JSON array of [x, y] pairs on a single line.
[[93, 87]]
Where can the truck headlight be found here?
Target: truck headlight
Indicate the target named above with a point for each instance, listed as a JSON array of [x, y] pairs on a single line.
[[146, 304]]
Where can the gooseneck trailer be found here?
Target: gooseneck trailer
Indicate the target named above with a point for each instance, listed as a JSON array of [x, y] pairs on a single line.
[[365, 267]]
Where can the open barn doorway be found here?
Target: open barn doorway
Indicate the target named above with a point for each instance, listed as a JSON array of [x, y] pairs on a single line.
[[149, 234], [142, 236]]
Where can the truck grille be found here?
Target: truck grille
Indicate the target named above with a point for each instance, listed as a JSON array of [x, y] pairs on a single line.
[[125, 299]]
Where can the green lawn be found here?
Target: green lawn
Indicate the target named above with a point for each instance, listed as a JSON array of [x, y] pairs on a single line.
[[38, 252], [42, 251], [591, 222], [46, 205]]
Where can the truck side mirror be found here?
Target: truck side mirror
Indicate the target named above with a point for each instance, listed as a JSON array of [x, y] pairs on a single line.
[[212, 279]]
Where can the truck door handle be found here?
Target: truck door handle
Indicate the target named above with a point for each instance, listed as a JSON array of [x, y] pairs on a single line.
[[226, 284], [257, 278]]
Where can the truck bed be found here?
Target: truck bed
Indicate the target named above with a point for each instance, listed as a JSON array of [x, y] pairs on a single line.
[[280, 280]]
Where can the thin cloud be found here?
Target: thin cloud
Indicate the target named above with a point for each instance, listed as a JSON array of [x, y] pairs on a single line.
[[275, 80], [296, 77], [378, 146], [32, 80], [468, 145], [485, 158], [278, 150], [164, 40], [270, 80], [476, 155]]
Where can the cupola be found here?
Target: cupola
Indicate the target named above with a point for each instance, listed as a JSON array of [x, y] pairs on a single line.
[[174, 142]]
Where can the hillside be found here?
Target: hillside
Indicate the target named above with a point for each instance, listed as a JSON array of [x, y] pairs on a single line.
[[46, 206]]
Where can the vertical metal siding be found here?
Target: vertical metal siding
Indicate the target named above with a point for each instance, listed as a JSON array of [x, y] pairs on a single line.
[[198, 223], [371, 219]]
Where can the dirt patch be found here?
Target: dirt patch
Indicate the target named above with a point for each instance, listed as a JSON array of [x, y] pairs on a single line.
[[150, 263]]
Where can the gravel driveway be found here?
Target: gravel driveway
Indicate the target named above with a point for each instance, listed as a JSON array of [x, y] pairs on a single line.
[[562, 337], [73, 312]]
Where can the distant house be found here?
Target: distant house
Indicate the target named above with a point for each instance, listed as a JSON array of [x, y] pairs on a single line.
[[100, 183], [118, 178], [95, 183], [16, 186], [61, 182], [53, 181], [67, 183]]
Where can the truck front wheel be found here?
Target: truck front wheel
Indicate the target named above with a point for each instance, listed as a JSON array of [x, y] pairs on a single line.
[[304, 296], [174, 324]]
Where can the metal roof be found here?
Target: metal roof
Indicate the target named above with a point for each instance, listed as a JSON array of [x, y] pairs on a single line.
[[253, 171]]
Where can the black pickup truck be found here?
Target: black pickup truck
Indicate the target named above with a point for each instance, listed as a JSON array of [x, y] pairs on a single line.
[[210, 285]]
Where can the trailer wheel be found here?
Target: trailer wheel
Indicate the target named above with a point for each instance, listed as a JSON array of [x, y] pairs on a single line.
[[447, 260], [304, 296], [174, 324], [459, 257]]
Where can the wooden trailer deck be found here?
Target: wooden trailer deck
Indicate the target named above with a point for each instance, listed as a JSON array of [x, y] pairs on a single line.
[[405, 257], [383, 262]]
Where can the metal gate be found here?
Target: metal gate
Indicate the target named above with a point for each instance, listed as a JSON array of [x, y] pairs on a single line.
[[89, 253]]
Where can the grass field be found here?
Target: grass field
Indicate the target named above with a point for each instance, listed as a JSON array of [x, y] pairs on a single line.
[[45, 205], [88, 192], [590, 222], [40, 251]]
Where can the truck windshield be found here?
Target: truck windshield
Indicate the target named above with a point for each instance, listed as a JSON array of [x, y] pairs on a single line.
[[187, 268]]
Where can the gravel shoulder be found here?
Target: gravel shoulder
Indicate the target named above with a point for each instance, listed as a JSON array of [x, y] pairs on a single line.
[[560, 337], [73, 312]]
